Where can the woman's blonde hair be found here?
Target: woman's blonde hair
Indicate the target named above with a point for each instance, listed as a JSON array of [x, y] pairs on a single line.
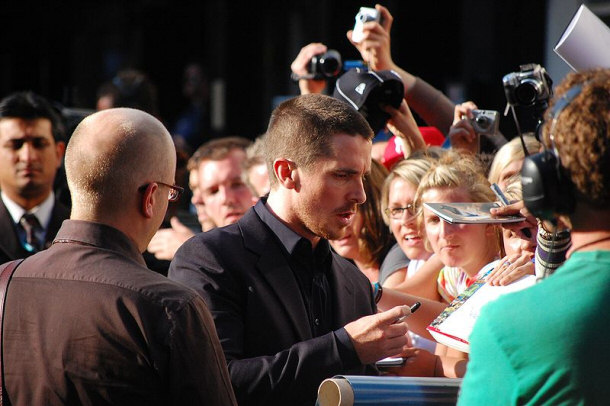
[[454, 171], [510, 152], [410, 170]]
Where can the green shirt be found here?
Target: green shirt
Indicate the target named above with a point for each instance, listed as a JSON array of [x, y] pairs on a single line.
[[548, 344]]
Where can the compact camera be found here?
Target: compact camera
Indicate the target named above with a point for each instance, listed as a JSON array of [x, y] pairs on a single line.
[[531, 85], [485, 121], [326, 65], [365, 15]]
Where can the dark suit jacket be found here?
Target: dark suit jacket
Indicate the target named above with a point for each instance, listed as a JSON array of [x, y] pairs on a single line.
[[10, 246], [260, 316]]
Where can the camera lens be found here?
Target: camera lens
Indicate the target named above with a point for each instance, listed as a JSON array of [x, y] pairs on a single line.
[[330, 63], [482, 122], [527, 91]]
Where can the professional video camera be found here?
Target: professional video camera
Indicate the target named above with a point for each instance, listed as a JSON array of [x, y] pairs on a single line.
[[528, 93]]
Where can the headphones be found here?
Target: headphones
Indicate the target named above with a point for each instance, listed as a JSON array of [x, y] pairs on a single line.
[[547, 189]]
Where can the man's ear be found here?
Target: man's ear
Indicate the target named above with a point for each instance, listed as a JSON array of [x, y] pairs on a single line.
[[60, 149], [286, 173], [148, 200]]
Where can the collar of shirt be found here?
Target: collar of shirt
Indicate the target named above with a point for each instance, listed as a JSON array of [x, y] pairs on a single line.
[[287, 237], [98, 235], [290, 240], [42, 212]]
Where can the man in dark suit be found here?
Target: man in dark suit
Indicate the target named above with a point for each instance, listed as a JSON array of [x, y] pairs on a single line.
[[289, 312], [31, 150], [85, 322]]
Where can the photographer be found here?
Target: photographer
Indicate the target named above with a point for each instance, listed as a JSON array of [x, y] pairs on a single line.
[[429, 103], [402, 123]]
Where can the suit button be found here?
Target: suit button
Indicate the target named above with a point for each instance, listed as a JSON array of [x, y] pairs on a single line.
[[316, 322]]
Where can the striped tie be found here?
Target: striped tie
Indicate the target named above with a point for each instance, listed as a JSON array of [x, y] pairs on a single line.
[[31, 225]]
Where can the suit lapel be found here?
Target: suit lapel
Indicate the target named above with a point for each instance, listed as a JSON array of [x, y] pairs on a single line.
[[9, 240], [343, 292], [274, 268]]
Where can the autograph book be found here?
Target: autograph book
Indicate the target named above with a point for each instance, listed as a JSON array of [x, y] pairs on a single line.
[[454, 325], [470, 213]]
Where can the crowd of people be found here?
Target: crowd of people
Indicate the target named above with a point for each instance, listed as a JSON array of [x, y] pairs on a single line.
[[313, 242]]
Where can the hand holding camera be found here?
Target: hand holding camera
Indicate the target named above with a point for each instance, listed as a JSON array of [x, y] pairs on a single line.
[[372, 38], [365, 15], [301, 65], [462, 134]]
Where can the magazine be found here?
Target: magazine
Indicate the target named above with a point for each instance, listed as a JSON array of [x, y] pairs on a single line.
[[454, 325], [470, 213]]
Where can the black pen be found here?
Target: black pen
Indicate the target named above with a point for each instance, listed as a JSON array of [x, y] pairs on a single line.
[[412, 310]]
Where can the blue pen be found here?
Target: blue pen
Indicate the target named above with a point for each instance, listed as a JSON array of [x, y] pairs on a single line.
[[496, 189]]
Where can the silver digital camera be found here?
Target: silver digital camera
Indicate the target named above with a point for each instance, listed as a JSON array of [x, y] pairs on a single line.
[[365, 15], [485, 121], [531, 85]]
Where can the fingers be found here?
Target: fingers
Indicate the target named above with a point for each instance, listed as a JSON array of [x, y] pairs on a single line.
[[386, 17], [509, 269], [463, 110], [299, 65], [178, 226], [511, 209], [390, 316]]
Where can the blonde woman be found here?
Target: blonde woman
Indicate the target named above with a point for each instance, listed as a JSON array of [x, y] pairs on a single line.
[[509, 159], [464, 249]]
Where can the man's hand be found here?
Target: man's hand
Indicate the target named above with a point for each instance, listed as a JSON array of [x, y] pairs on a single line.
[[380, 335], [299, 68], [530, 223], [166, 241]]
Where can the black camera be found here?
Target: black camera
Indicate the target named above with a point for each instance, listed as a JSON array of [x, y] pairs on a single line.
[[531, 85], [326, 65], [528, 93]]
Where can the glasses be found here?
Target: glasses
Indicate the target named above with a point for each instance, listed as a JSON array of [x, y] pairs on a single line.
[[397, 213], [174, 191]]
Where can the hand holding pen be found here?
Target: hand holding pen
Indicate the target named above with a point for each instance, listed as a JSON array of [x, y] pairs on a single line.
[[507, 209]]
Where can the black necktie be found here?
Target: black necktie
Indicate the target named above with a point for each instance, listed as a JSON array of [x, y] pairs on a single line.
[[31, 225]]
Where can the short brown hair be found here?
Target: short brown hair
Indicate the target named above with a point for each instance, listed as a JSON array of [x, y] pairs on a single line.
[[217, 149], [300, 129], [582, 135]]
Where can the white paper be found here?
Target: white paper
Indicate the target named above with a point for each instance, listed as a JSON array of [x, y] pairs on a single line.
[[461, 322], [585, 44]]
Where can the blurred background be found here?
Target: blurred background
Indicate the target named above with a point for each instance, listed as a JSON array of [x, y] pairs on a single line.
[[67, 50]]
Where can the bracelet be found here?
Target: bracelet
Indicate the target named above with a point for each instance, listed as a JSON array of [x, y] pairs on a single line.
[[378, 291]]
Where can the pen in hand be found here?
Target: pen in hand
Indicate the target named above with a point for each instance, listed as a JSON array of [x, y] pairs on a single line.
[[412, 310], [505, 202]]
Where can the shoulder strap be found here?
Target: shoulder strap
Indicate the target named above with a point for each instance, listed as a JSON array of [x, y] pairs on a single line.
[[5, 277]]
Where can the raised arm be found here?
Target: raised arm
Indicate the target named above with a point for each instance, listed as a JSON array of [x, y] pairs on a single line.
[[428, 102]]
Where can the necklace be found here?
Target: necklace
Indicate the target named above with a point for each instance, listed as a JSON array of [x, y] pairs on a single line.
[[590, 243]]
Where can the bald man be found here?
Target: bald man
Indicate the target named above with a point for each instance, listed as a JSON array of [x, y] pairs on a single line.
[[86, 322]]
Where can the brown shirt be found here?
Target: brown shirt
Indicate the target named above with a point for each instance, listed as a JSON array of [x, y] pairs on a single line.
[[87, 323]]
